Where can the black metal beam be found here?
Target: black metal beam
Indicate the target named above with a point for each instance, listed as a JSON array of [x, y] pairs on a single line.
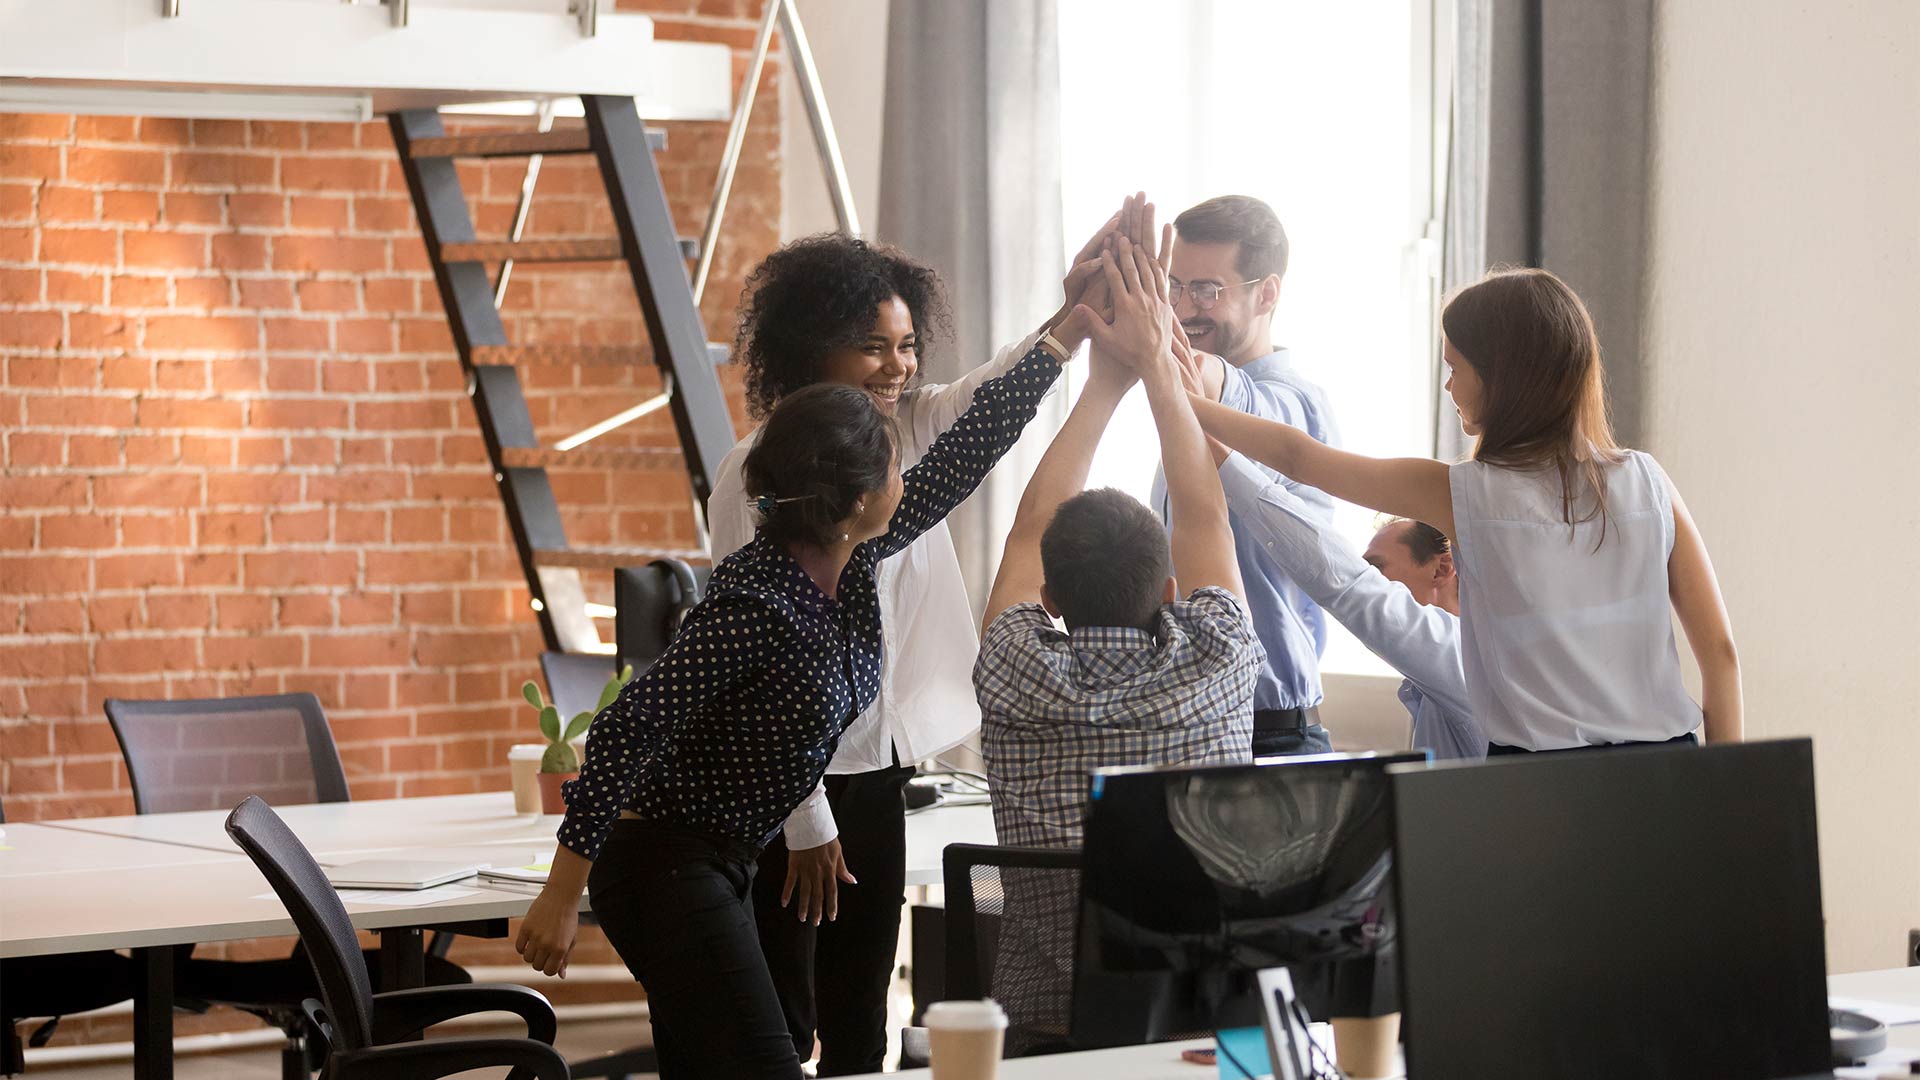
[[467, 296], [659, 274]]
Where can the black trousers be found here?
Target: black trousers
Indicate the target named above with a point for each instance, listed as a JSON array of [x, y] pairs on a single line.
[[833, 979], [677, 904], [1500, 750]]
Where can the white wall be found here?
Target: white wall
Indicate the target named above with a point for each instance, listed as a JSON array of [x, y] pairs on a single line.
[[849, 41], [1785, 383]]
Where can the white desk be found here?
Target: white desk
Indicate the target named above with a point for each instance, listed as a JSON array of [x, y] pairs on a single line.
[[1161, 1061], [341, 832], [31, 850]]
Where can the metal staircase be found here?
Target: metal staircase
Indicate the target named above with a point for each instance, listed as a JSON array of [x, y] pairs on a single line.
[[656, 258]]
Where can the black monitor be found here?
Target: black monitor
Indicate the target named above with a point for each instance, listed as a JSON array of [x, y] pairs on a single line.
[[1635, 912], [1195, 879]]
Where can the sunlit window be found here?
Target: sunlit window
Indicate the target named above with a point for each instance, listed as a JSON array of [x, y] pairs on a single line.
[[1316, 108]]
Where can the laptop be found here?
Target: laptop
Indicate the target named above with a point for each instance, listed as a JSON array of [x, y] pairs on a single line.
[[399, 873], [1641, 912]]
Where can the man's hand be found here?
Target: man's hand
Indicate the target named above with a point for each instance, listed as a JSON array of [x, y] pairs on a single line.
[[813, 877], [548, 930], [1083, 273], [1141, 333], [1202, 372]]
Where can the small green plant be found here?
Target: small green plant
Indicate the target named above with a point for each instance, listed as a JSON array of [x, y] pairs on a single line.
[[560, 757]]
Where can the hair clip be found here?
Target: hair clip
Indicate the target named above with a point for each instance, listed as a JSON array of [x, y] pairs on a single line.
[[767, 504]]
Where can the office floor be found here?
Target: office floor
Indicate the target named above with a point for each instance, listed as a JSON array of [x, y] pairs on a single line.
[[576, 1040]]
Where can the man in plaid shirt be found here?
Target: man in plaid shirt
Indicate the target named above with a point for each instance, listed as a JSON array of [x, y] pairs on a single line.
[[1140, 676]]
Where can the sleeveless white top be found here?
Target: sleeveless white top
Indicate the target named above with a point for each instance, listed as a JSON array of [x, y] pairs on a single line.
[[1565, 645]]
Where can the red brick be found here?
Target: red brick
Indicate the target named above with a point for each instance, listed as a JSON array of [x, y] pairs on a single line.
[[186, 376], [206, 450], [16, 202], [296, 335], [136, 207], [49, 371], [16, 245], [364, 690], [202, 292], [359, 526], [139, 449], [312, 450], [313, 253], [366, 609], [139, 291], [115, 165], [258, 210], [219, 132], [268, 570], [295, 374], [297, 414], [55, 617], [392, 294], [197, 169], [412, 567], [202, 332], [419, 525], [304, 609], [240, 251], [97, 451], [318, 295], [109, 332], [179, 611], [358, 486], [30, 330], [156, 530], [266, 294], [179, 413], [363, 336], [245, 612], [228, 374], [277, 134], [142, 655], [76, 531], [383, 214], [92, 247], [231, 529], [20, 286], [300, 173], [78, 411], [23, 491], [103, 128], [136, 571], [33, 450], [318, 212], [68, 287], [166, 251], [208, 569], [186, 209], [38, 575], [69, 204], [159, 490], [252, 489], [298, 526], [401, 415], [34, 126], [270, 651], [359, 650]]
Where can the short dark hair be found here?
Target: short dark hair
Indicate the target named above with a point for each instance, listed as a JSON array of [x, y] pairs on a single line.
[[823, 448], [1243, 220], [1426, 542], [1106, 560], [818, 294]]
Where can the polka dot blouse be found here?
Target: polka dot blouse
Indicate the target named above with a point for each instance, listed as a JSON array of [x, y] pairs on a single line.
[[734, 725]]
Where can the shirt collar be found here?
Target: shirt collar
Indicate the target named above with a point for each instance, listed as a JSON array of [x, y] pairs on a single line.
[[781, 568], [1276, 362], [1107, 655]]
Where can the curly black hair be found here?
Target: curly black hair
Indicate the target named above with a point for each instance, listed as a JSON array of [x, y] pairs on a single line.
[[822, 293]]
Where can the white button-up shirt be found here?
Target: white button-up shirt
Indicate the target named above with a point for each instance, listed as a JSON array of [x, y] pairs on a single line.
[[928, 639], [1421, 641]]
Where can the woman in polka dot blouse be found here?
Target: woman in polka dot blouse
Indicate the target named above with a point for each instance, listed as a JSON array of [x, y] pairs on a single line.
[[701, 759]]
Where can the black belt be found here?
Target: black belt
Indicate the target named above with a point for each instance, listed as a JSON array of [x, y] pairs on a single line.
[[1285, 721]]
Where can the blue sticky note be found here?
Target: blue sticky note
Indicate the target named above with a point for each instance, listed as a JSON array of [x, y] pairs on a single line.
[[1240, 1048]]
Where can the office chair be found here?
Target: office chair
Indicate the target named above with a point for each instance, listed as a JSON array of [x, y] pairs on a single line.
[[574, 680], [54, 986], [979, 879], [209, 753], [369, 1036]]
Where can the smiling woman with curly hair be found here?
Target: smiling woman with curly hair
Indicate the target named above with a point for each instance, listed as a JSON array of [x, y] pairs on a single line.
[[835, 309]]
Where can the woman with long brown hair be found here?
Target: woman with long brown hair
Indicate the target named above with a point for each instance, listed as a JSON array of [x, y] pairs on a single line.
[[1571, 549]]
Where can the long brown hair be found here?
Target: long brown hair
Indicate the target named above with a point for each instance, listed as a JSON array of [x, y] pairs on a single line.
[[1532, 343]]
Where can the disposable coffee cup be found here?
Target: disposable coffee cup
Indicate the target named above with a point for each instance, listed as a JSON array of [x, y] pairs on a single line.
[[964, 1039], [523, 761], [1365, 1047]]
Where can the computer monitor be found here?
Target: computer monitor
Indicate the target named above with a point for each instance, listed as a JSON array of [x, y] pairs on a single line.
[[1195, 879], [1633, 912]]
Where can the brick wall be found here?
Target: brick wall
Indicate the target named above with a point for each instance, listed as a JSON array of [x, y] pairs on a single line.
[[238, 458]]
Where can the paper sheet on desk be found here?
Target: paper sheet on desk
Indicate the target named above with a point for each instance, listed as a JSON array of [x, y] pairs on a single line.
[[1887, 1012], [396, 897]]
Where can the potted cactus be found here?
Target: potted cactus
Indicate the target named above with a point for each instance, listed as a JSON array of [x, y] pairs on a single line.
[[560, 763]]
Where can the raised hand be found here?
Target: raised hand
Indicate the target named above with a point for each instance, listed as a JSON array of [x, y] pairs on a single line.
[[1141, 331]]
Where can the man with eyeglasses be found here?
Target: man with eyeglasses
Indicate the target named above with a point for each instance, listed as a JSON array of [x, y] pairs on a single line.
[[1229, 256]]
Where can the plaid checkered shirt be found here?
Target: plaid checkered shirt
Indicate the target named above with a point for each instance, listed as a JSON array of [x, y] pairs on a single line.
[[1055, 706]]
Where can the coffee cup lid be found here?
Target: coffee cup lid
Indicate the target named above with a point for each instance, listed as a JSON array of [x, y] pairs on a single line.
[[526, 751], [965, 1014]]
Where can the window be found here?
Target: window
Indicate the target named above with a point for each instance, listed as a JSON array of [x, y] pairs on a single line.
[[1324, 112]]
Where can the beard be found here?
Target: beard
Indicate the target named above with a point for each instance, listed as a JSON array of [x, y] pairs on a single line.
[[1221, 339]]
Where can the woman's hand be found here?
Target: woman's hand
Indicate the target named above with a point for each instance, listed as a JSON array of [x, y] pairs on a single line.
[[548, 930], [813, 877]]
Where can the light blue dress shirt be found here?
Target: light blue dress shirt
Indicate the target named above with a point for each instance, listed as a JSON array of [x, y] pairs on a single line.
[[1421, 641], [1292, 628]]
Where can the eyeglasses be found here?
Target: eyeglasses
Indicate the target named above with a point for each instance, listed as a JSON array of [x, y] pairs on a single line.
[[1204, 293]]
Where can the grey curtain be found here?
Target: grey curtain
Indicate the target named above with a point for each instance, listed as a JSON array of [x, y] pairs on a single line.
[[1549, 166], [970, 184]]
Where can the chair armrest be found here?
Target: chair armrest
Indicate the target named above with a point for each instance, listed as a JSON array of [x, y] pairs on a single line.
[[399, 1014], [529, 1060]]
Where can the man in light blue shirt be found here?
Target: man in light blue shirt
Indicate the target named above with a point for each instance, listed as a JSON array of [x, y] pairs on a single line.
[[1401, 599], [1229, 256]]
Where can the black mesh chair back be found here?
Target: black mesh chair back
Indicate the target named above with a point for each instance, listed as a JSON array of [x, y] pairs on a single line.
[[325, 929], [574, 680], [978, 880], [209, 753]]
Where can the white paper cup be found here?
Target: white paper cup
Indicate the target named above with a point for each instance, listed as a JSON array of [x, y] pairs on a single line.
[[964, 1039], [523, 760]]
